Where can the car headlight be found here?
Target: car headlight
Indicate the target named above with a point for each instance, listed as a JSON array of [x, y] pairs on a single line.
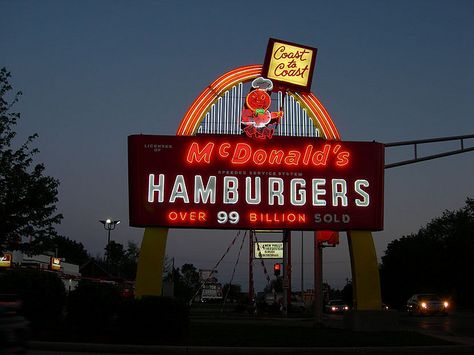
[[445, 304], [333, 308], [423, 304]]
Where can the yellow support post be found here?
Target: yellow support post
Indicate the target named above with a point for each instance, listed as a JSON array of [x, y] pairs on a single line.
[[365, 272], [151, 262]]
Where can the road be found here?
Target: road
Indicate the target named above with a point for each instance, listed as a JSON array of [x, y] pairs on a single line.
[[458, 323], [457, 327]]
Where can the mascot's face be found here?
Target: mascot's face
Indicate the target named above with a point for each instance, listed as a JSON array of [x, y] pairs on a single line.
[[258, 99]]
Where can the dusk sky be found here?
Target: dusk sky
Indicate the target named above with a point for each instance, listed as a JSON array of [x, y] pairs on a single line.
[[94, 72]]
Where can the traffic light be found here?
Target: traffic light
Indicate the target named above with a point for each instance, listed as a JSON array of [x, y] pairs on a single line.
[[276, 269]]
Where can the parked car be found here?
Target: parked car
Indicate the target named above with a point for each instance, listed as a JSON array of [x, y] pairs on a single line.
[[336, 306], [427, 303]]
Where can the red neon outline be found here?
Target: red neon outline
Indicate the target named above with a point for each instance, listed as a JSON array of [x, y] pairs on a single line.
[[185, 216], [195, 155], [263, 217], [259, 152], [275, 157], [320, 157], [268, 99], [223, 150], [191, 120], [243, 153], [293, 158], [343, 159], [236, 155]]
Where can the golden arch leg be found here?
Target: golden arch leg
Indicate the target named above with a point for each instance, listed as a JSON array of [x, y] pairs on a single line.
[[365, 272], [151, 262]]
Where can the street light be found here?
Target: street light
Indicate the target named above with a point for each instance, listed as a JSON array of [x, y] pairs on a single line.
[[109, 225]]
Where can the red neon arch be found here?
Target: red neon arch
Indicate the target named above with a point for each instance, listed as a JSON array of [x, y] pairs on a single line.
[[191, 120]]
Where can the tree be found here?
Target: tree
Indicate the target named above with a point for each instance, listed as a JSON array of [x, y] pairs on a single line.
[[439, 258], [346, 293], [72, 251], [130, 262], [190, 276], [123, 262], [185, 280], [114, 255], [27, 196]]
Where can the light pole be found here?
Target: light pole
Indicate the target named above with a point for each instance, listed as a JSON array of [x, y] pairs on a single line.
[[109, 225]]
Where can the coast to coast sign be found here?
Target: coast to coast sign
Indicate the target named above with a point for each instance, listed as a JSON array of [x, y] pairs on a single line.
[[219, 181], [289, 65]]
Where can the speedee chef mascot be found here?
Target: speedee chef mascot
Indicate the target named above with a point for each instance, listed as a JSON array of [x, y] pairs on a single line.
[[257, 121]]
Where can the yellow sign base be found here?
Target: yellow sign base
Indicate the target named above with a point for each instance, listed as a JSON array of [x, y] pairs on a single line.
[[151, 262], [365, 272]]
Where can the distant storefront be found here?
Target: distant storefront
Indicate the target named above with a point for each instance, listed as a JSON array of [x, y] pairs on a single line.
[[69, 273]]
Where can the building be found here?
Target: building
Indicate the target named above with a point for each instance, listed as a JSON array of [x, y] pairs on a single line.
[[67, 272]]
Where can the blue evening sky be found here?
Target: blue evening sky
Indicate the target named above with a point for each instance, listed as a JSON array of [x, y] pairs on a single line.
[[94, 72]]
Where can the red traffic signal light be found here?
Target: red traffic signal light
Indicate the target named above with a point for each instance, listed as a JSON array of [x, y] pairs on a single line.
[[277, 269]]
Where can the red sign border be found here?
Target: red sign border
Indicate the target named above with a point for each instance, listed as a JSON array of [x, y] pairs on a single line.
[[134, 162]]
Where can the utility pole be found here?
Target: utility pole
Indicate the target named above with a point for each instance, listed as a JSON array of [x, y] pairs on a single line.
[[302, 267], [286, 270], [109, 225], [251, 246], [289, 269], [318, 281]]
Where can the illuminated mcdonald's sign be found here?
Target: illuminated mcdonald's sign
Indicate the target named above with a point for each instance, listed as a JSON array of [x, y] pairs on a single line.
[[225, 181], [6, 260], [55, 264]]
